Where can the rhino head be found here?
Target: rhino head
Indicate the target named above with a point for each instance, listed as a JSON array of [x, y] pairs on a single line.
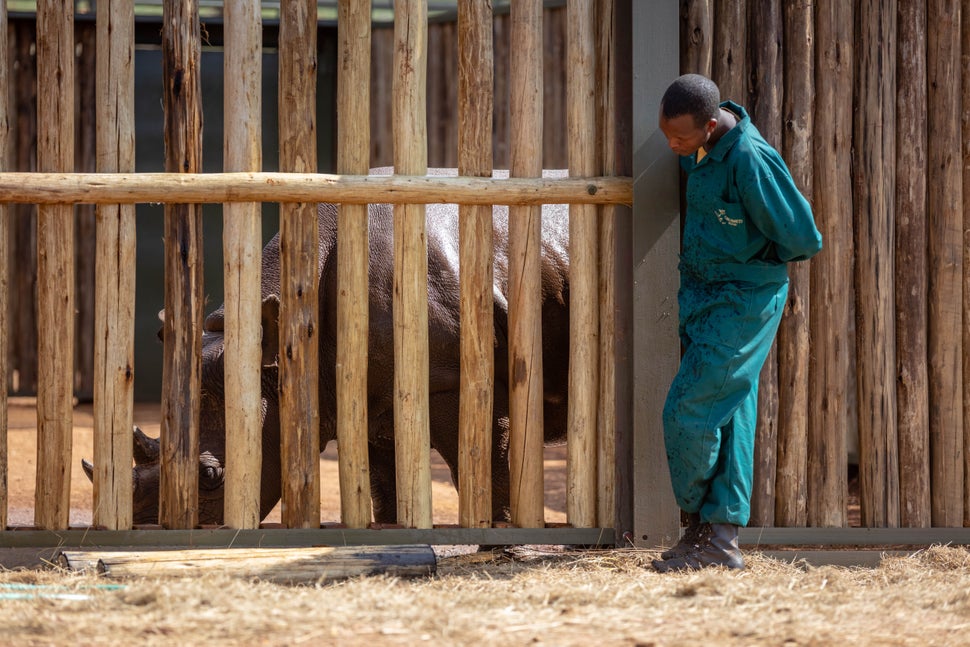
[[146, 474]]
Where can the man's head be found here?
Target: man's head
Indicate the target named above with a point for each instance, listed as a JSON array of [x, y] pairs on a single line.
[[688, 112]]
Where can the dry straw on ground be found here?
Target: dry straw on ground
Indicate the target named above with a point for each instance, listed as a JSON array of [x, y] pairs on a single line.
[[512, 598]]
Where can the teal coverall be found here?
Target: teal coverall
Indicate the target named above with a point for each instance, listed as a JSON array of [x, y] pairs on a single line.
[[745, 221]]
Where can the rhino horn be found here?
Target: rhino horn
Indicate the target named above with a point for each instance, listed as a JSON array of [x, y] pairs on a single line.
[[145, 449], [88, 469]]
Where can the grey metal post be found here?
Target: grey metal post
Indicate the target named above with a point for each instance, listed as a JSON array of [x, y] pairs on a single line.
[[656, 242]]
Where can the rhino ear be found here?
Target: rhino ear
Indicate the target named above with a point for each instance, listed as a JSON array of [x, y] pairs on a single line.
[[144, 449], [88, 469], [271, 330]]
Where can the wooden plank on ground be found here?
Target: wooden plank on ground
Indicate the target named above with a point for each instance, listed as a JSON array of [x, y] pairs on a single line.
[[279, 565]]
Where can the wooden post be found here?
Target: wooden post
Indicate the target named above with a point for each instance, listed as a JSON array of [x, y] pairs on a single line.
[[581, 476], [945, 245], [965, 74], [411, 424], [874, 183], [525, 233], [696, 31], [765, 64], [912, 404], [475, 104], [114, 338], [730, 45], [831, 270], [353, 157], [4, 263], [181, 381], [242, 247], [55, 267], [299, 325], [605, 24], [791, 485]]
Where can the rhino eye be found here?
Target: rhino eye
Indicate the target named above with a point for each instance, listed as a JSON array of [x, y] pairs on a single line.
[[210, 478]]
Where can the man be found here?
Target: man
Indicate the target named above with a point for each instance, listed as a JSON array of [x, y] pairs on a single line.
[[745, 221]]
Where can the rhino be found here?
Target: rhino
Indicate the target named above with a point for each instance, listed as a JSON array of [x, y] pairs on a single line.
[[444, 345]]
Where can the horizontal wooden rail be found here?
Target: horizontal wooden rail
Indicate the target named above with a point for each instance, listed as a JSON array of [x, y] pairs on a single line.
[[129, 188]]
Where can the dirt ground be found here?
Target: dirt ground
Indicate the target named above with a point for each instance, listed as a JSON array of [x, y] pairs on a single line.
[[22, 448]]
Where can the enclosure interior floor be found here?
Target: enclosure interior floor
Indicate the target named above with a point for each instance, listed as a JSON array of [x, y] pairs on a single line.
[[22, 450]]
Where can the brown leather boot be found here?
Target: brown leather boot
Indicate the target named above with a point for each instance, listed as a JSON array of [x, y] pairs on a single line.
[[688, 540], [717, 545]]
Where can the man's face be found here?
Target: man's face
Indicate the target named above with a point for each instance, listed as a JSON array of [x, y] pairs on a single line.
[[683, 135]]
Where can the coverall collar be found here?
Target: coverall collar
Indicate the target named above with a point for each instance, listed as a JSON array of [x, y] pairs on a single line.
[[728, 139]]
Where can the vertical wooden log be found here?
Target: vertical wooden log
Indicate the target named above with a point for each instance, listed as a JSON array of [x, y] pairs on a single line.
[[181, 364], [873, 190], [945, 244], [353, 157], [912, 404], [525, 232], [730, 45], [696, 36], [831, 270], [299, 359], [965, 103], [4, 261], [411, 424], [475, 105], [114, 338], [581, 476], [793, 333], [766, 83], [242, 246], [55, 267], [606, 15]]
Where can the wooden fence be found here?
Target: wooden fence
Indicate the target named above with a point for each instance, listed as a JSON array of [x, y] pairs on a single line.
[[55, 187], [442, 101], [864, 99]]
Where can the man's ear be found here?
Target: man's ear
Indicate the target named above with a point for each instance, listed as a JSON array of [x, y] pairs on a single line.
[[271, 330]]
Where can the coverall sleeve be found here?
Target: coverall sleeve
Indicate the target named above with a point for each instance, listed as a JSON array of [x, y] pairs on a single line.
[[780, 211]]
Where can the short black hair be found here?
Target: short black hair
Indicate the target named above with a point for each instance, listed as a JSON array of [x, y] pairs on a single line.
[[691, 94]]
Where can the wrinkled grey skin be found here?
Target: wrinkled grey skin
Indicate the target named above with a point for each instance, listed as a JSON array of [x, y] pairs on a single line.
[[443, 317]]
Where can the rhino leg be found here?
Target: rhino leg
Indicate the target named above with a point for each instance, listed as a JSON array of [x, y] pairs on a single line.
[[383, 486]]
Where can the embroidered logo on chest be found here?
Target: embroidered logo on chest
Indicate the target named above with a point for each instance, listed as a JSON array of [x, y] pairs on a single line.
[[724, 219]]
